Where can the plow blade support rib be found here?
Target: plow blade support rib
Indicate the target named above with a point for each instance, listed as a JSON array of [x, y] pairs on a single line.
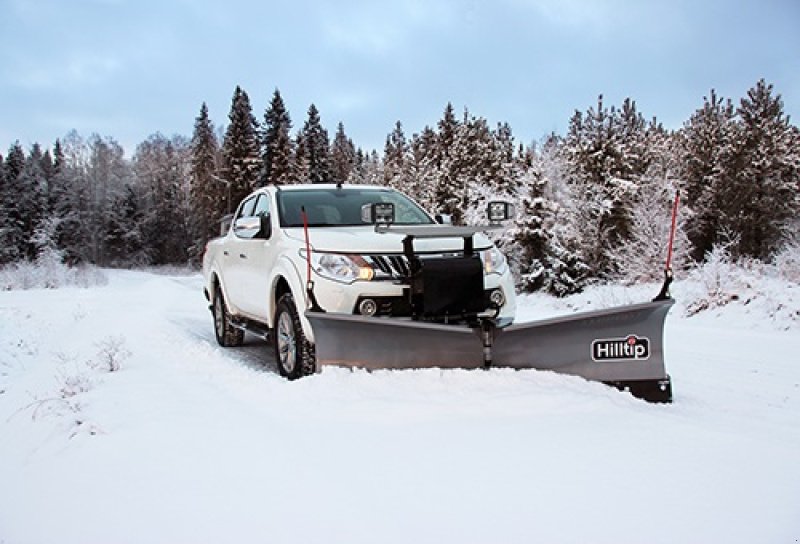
[[623, 344]]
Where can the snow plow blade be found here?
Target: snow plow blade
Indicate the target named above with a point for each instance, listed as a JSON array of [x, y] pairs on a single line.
[[620, 346], [394, 343]]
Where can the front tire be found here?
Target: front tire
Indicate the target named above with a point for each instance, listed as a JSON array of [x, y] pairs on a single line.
[[227, 335], [293, 352]]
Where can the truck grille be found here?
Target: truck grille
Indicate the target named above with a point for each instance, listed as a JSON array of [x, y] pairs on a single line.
[[392, 266]]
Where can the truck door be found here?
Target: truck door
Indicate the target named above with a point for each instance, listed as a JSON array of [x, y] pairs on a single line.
[[235, 256], [255, 254]]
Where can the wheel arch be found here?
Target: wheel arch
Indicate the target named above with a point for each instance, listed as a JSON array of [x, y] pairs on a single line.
[[286, 279]]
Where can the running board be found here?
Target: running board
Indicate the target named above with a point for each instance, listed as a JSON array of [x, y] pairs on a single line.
[[253, 328], [620, 346]]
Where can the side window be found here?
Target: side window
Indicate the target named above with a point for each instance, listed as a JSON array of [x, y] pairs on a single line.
[[262, 206], [247, 208], [245, 225]]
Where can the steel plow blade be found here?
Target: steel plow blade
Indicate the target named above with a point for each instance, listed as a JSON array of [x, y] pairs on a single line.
[[621, 346], [379, 342], [623, 343]]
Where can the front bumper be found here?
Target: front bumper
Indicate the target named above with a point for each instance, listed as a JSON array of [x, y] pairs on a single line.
[[392, 298]]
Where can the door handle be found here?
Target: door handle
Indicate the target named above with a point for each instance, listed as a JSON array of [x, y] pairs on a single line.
[[225, 253], [242, 256]]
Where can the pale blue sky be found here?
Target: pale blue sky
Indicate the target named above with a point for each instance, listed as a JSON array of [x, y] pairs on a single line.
[[129, 68]]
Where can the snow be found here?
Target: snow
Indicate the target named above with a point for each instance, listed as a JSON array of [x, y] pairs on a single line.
[[190, 442]]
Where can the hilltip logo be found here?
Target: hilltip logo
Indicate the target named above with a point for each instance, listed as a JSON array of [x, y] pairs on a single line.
[[630, 348]]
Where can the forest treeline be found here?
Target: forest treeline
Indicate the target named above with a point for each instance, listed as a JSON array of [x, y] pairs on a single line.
[[592, 204]]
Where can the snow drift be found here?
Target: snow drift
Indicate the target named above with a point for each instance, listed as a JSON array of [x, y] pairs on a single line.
[[122, 421]]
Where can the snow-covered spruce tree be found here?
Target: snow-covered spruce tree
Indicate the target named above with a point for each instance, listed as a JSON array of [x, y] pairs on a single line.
[[300, 164], [759, 199], [547, 250], [704, 138], [468, 168], [12, 237], [448, 194], [605, 158], [423, 172], [207, 190], [395, 156], [531, 232], [369, 170], [240, 151], [71, 194], [32, 199], [313, 149], [343, 156], [506, 166], [277, 147], [125, 238]]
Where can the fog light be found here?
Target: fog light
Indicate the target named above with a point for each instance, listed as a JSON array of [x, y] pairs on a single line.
[[368, 307], [497, 298]]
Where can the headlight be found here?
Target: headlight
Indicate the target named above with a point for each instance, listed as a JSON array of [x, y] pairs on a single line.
[[494, 262], [338, 267]]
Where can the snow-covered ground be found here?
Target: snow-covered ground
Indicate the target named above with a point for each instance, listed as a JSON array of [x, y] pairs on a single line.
[[189, 443]]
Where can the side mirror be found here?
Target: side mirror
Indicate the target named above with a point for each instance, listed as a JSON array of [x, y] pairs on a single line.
[[265, 232], [253, 227], [379, 213], [499, 211]]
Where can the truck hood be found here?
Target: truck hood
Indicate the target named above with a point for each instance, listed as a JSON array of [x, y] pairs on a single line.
[[364, 240]]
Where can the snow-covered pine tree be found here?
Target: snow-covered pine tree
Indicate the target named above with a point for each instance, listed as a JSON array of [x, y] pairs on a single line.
[[32, 199], [704, 137], [277, 147], [300, 164], [606, 157], [545, 249], [125, 239], [343, 156], [313, 150], [207, 190], [395, 154], [71, 195], [506, 167], [531, 232], [12, 236], [240, 151], [448, 194], [423, 172], [760, 199], [373, 169]]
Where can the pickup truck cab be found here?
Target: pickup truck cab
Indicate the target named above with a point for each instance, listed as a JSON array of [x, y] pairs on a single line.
[[293, 246]]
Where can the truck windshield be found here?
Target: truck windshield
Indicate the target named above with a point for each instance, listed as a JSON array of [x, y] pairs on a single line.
[[342, 207]]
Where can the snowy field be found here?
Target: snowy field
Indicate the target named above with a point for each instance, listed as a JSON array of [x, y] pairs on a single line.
[[186, 442]]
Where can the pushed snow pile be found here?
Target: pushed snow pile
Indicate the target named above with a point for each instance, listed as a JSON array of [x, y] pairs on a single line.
[[122, 421], [767, 292], [741, 294]]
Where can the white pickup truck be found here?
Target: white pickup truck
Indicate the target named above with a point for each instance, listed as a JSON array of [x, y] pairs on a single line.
[[292, 247]]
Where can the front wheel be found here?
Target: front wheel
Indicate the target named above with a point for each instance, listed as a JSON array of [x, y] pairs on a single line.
[[293, 352]]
